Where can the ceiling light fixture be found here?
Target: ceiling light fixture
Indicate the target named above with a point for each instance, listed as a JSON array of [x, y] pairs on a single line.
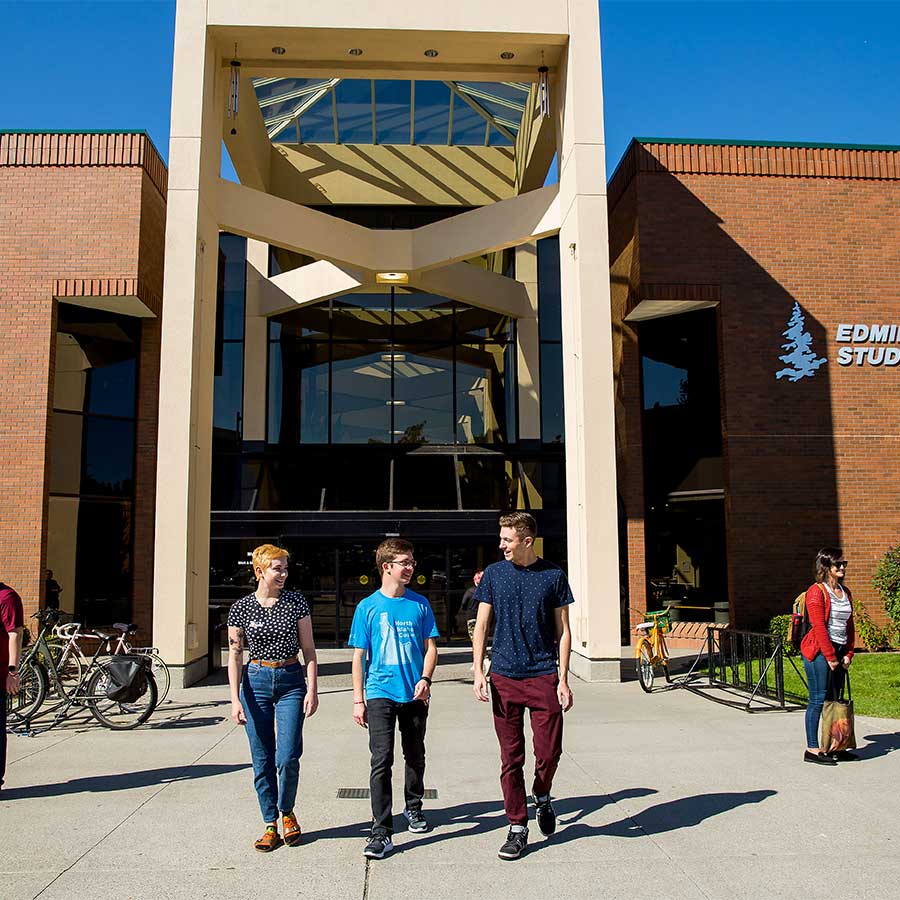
[[355, 51], [278, 51], [431, 54], [507, 54], [392, 278]]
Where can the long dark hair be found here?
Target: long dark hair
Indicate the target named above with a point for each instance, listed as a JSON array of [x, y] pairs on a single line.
[[825, 559]]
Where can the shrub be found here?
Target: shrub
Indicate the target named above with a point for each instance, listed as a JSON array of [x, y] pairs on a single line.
[[780, 626], [873, 636], [887, 583]]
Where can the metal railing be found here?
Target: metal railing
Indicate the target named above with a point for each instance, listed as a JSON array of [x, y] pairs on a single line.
[[747, 664]]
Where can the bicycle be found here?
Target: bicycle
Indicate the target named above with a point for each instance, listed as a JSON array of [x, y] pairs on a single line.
[[71, 657], [650, 650], [39, 670]]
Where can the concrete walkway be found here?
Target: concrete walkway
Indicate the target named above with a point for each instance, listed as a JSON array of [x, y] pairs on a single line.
[[660, 796]]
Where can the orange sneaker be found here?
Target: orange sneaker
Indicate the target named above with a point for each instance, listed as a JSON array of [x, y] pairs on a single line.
[[292, 832], [271, 840]]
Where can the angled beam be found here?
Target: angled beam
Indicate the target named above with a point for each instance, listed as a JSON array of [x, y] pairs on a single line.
[[313, 283], [506, 223], [477, 287], [270, 219], [250, 148]]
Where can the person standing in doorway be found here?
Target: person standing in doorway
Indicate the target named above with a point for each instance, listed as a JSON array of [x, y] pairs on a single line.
[[52, 590], [394, 635], [528, 598], [271, 696], [470, 604], [11, 626]]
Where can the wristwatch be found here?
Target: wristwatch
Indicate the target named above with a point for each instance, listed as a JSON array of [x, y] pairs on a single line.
[[426, 679], [12, 670]]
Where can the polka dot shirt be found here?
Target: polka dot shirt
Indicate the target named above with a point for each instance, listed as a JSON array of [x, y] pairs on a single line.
[[270, 633], [524, 600]]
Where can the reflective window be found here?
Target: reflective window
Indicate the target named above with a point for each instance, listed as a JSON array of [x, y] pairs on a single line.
[[229, 388], [423, 394], [354, 96], [481, 395], [362, 317], [360, 395], [549, 300], [424, 482], [422, 317], [553, 429], [108, 457], [392, 106], [432, 112]]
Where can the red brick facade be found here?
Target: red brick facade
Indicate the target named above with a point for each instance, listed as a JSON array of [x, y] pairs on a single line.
[[808, 462], [81, 215]]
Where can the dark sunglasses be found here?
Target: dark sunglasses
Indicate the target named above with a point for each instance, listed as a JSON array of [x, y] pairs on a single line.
[[840, 564]]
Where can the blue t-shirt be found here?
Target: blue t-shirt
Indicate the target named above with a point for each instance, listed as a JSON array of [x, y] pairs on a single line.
[[393, 632], [524, 600]]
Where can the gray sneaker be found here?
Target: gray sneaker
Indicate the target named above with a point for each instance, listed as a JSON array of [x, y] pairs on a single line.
[[416, 820]]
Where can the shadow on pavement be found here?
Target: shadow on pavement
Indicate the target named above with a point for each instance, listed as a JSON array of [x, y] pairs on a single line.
[[879, 745], [485, 817], [122, 781]]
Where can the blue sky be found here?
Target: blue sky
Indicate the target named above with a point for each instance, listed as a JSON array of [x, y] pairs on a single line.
[[799, 71]]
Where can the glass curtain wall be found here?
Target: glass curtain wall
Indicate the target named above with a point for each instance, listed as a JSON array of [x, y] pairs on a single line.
[[550, 330], [93, 461]]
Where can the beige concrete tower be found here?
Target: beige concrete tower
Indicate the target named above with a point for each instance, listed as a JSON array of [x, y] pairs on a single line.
[[465, 46]]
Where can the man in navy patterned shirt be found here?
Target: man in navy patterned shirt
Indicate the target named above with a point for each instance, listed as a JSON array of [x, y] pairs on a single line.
[[528, 599]]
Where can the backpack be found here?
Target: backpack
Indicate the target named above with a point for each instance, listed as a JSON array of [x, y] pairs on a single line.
[[799, 622]]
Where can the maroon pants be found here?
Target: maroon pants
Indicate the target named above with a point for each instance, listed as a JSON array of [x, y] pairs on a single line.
[[510, 697]]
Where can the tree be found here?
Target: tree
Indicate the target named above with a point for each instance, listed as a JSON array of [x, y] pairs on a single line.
[[800, 360]]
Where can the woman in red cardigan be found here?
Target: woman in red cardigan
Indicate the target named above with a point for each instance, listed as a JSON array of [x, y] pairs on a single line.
[[828, 646]]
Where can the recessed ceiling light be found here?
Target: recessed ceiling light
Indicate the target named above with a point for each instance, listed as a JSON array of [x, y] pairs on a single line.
[[507, 54], [278, 51], [431, 54], [392, 278], [355, 51]]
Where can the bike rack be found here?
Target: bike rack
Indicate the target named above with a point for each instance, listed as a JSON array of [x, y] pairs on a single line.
[[744, 663]]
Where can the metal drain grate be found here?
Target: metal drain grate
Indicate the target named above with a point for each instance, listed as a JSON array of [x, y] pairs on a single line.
[[363, 794]]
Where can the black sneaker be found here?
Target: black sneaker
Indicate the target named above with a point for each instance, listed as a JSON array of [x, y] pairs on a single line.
[[546, 818], [516, 841], [378, 846], [416, 820]]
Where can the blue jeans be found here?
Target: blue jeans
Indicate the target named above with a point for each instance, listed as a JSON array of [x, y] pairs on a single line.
[[273, 699], [818, 676]]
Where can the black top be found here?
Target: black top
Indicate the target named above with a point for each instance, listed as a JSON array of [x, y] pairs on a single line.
[[270, 633], [524, 601]]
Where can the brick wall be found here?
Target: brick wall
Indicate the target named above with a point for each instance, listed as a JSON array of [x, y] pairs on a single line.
[[79, 215], [807, 463]]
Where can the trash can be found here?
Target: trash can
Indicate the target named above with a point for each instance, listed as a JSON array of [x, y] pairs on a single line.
[[722, 612]]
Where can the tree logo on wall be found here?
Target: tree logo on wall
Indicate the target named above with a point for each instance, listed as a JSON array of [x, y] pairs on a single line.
[[800, 359]]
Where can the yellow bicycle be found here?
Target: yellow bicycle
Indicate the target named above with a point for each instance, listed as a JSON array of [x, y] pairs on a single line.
[[650, 650]]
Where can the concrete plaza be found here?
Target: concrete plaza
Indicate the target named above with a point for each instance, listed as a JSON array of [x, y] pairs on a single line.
[[660, 796]]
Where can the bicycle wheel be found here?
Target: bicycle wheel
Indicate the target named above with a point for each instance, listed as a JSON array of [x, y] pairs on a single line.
[[161, 675], [644, 663], [32, 691], [112, 713]]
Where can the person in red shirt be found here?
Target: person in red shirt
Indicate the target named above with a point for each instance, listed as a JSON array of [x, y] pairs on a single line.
[[827, 647], [11, 624]]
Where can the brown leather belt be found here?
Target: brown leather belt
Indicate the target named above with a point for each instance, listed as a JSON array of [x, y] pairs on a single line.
[[275, 663]]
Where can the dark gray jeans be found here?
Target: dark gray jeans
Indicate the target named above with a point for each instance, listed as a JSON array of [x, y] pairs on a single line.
[[412, 717]]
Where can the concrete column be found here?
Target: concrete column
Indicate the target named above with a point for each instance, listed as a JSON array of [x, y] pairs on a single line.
[[528, 347], [181, 566], [256, 338], [587, 352]]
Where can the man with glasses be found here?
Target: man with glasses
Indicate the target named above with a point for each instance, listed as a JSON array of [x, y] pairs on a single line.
[[394, 631]]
